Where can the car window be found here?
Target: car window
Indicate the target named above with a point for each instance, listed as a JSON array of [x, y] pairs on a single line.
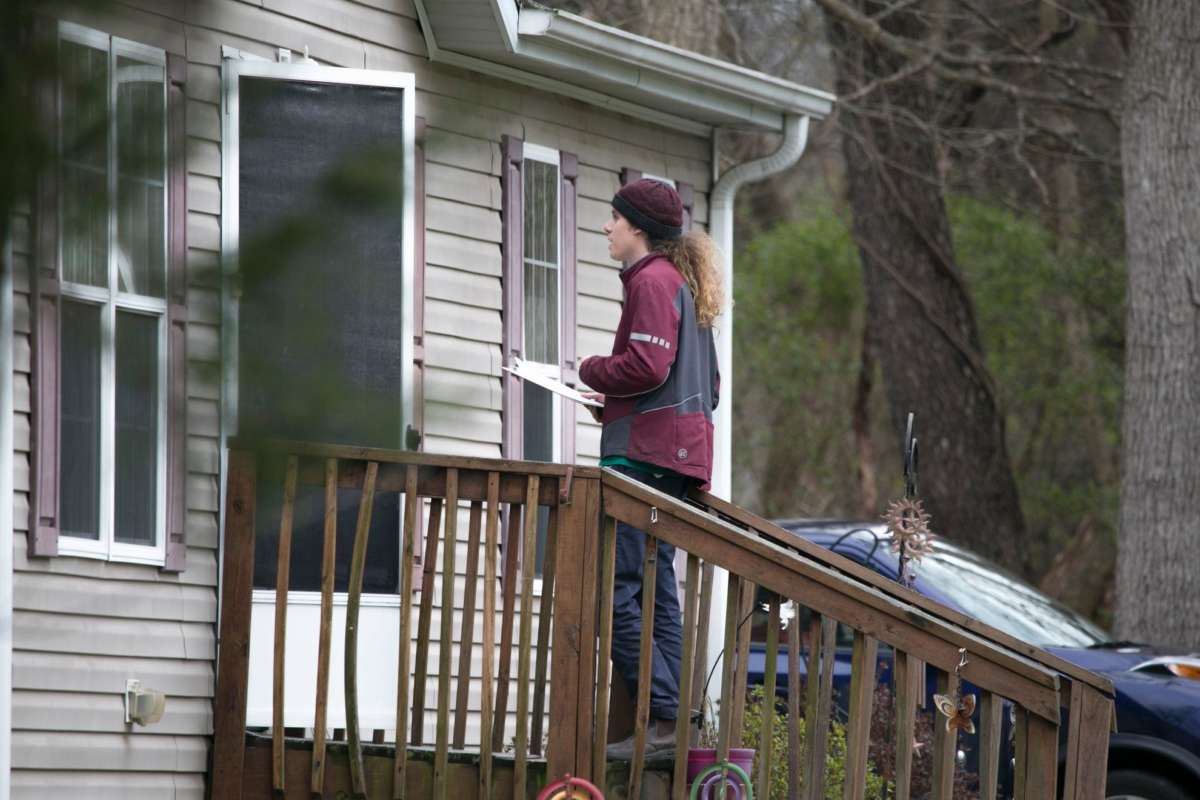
[[987, 593]]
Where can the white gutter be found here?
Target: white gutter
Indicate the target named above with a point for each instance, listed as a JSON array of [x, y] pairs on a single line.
[[721, 204], [658, 59], [6, 515]]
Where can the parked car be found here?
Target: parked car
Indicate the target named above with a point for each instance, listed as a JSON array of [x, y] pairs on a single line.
[[1155, 755]]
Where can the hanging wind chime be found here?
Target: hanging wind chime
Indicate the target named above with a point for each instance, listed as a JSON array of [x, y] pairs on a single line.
[[907, 520]]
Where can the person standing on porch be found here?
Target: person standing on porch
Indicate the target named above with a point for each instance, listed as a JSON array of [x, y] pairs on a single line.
[[659, 388]]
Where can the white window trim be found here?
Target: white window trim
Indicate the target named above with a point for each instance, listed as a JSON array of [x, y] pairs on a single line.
[[235, 65], [668, 181], [548, 155], [309, 598], [112, 300]]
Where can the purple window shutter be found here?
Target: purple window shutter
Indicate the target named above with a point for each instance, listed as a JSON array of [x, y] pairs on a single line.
[[629, 175], [177, 315], [688, 196], [417, 426], [569, 172], [43, 522], [416, 435], [513, 256], [43, 500]]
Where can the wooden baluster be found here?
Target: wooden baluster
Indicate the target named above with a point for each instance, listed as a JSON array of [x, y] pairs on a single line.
[[767, 731], [1087, 743], [991, 712], [543, 645], [441, 759], [282, 567], [742, 663], [325, 637], [412, 503], [945, 743], [425, 620], [512, 548], [858, 729], [700, 668], [645, 666], [358, 562], [1037, 757], [793, 645], [608, 561], [467, 635], [905, 709], [445, 644], [528, 556], [490, 544], [819, 703], [233, 666], [683, 723], [577, 653]]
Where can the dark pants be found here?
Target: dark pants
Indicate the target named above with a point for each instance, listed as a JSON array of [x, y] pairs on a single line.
[[667, 648]]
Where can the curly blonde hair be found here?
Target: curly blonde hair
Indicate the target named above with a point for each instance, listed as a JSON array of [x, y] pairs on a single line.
[[696, 257]]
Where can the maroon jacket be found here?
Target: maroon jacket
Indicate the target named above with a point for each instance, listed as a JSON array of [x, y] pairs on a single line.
[[661, 382]]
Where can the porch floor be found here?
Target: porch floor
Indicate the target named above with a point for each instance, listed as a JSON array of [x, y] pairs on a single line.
[[378, 763]]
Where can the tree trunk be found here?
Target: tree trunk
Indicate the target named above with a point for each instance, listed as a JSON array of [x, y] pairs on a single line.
[[927, 341], [1159, 546]]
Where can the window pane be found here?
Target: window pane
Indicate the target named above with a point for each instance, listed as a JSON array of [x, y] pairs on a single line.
[[141, 174], [136, 473], [541, 262], [84, 139], [537, 422], [79, 459], [381, 575], [538, 426]]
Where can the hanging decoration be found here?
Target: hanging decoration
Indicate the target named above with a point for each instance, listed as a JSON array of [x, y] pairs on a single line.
[[956, 708]]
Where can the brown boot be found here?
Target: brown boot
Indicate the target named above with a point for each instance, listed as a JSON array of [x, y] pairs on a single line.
[[660, 742]]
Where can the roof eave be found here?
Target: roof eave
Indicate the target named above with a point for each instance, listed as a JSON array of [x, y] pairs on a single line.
[[778, 95], [665, 77]]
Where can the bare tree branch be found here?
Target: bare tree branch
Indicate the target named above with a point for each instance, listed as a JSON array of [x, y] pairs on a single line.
[[971, 70]]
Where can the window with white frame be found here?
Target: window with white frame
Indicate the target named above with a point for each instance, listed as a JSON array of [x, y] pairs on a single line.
[[112, 272], [542, 300]]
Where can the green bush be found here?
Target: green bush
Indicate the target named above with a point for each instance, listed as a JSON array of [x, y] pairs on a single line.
[[835, 756]]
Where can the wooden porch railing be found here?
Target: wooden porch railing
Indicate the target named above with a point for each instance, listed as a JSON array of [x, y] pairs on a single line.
[[566, 672]]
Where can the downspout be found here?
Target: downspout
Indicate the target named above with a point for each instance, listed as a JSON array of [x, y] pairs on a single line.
[[6, 514], [721, 205]]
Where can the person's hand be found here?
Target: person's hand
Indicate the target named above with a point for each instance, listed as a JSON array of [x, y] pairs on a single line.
[[593, 410]]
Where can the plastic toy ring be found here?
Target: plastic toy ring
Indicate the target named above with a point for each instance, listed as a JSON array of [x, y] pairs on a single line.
[[707, 784], [568, 789]]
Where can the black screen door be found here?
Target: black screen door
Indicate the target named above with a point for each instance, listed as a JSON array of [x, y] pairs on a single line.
[[322, 301]]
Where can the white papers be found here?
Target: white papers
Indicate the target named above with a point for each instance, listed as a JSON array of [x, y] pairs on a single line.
[[530, 373]]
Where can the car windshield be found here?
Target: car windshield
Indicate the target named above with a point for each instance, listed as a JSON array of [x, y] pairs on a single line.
[[983, 591]]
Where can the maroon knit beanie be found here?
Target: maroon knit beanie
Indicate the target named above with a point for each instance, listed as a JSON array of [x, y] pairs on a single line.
[[652, 206]]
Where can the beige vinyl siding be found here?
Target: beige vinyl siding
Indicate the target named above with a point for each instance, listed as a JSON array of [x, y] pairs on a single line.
[[82, 626], [97, 784]]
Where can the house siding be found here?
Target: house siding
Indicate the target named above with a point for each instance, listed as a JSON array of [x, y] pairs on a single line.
[[82, 626]]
